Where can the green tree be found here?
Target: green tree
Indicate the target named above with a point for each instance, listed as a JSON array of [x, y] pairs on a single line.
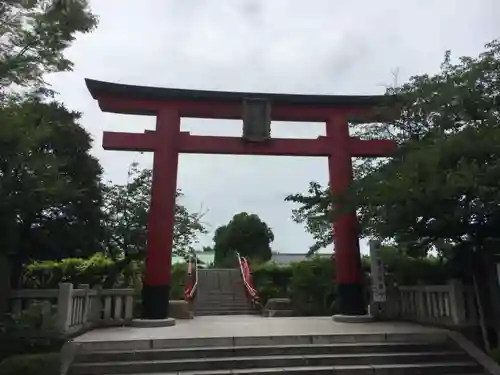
[[440, 191], [246, 234], [126, 209], [34, 35], [49, 184]]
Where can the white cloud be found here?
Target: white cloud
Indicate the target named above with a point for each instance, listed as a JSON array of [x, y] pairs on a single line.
[[289, 46]]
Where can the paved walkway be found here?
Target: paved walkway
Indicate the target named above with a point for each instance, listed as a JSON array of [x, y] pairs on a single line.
[[250, 326]]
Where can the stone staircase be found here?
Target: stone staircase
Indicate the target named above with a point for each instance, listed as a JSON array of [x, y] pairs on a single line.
[[221, 292], [360, 354]]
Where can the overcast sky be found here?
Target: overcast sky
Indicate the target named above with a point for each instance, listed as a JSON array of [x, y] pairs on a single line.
[[284, 46]]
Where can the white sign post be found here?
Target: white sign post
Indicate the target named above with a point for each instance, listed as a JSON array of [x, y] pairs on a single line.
[[377, 273]]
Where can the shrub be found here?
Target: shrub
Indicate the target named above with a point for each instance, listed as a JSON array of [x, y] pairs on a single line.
[[99, 270], [32, 330], [31, 364], [271, 280], [309, 284], [178, 281], [406, 270], [96, 270], [312, 287], [38, 317]]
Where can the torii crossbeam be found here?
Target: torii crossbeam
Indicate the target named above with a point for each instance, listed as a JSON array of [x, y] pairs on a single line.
[[167, 141]]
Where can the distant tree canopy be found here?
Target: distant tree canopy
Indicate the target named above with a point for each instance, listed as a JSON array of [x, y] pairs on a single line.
[[126, 208], [246, 234]]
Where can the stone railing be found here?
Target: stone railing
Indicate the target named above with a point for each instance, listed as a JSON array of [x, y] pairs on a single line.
[[78, 309], [448, 305]]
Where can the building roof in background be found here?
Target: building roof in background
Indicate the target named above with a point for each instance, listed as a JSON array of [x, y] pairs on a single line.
[[286, 258]]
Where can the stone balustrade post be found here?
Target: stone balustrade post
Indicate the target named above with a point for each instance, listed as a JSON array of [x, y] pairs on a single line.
[[96, 305], [86, 303], [421, 311], [457, 303], [64, 306]]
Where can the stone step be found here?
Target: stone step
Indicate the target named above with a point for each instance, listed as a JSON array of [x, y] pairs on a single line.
[[247, 351], [221, 299], [222, 308], [433, 369], [225, 312], [206, 299], [224, 303], [210, 293], [233, 290], [213, 270], [217, 307], [223, 294], [228, 294], [215, 297], [203, 295], [395, 361], [266, 341]]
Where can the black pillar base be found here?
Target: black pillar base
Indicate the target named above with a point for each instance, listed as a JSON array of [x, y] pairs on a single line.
[[351, 299], [155, 301]]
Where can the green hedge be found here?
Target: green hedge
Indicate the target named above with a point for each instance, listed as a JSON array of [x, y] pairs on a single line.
[[309, 284], [271, 280], [413, 271], [312, 287], [12, 345], [30, 331], [96, 270], [31, 364]]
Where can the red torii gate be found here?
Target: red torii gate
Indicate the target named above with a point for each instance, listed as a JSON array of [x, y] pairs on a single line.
[[167, 141]]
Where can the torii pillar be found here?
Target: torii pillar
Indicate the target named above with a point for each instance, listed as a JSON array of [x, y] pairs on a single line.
[[349, 275], [257, 110]]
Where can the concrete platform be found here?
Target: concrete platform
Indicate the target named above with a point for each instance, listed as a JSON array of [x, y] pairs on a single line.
[[239, 330]]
